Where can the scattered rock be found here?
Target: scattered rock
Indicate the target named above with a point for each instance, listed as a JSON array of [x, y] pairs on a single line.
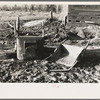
[[97, 67]]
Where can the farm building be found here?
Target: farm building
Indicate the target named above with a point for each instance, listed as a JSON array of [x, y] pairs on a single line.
[[81, 13]]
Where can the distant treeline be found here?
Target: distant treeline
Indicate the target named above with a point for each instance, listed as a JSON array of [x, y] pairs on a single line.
[[32, 7]]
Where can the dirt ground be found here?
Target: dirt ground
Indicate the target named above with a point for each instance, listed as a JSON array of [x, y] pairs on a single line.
[[38, 70]]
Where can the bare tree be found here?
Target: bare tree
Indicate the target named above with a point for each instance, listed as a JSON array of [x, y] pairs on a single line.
[[31, 7], [26, 7], [64, 13]]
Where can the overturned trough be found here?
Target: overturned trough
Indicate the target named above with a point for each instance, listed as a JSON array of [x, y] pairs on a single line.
[[67, 55], [22, 42]]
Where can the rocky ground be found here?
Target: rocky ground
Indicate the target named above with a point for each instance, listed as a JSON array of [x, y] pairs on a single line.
[[87, 70]]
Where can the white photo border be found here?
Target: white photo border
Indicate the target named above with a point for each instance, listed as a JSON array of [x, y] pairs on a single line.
[[50, 90]]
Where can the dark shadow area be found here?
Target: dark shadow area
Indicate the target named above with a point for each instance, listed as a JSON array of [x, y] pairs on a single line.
[[73, 36], [86, 62], [46, 52], [30, 51], [38, 54], [11, 55], [59, 53]]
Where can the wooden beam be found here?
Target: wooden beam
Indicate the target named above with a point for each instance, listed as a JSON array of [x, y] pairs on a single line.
[[59, 70], [18, 25], [11, 25]]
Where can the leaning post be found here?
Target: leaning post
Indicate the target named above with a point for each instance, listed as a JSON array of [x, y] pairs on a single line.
[[15, 34], [18, 25], [42, 25], [19, 43], [15, 31]]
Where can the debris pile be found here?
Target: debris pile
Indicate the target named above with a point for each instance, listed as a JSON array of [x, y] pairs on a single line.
[[38, 70]]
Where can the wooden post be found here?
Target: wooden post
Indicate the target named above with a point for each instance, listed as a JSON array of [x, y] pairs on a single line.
[[51, 16], [15, 32], [18, 25], [20, 49], [65, 20], [42, 29]]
